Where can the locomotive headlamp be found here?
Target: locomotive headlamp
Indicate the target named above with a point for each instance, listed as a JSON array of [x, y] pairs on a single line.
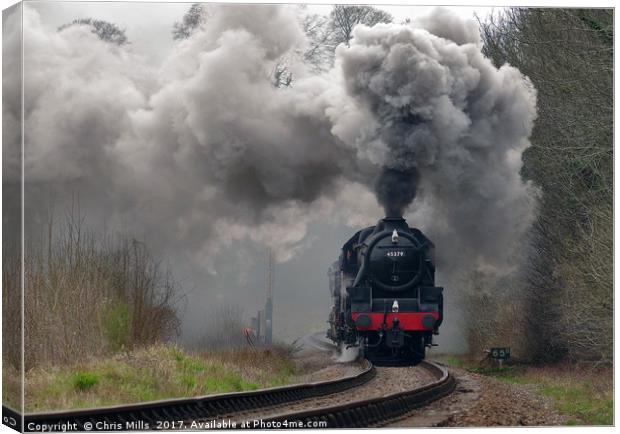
[[395, 237], [395, 306]]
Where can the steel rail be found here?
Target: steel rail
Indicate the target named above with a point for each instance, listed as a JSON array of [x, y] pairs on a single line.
[[203, 407], [368, 412]]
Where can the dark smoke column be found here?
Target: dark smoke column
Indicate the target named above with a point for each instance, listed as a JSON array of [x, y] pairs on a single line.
[[395, 190], [434, 112]]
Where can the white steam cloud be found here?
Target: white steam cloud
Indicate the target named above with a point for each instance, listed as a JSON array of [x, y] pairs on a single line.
[[205, 152]]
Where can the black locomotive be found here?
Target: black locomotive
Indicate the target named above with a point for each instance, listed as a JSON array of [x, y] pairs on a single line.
[[384, 296]]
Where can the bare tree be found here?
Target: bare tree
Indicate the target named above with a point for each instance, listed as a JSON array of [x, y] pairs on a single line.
[[319, 33], [106, 31], [90, 294], [345, 17], [325, 33], [193, 19], [224, 328], [281, 76]]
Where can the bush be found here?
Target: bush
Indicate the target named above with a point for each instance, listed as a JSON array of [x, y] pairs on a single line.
[[224, 328], [89, 294], [117, 325]]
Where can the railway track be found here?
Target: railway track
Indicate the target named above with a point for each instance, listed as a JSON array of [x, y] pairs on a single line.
[[370, 412], [231, 410]]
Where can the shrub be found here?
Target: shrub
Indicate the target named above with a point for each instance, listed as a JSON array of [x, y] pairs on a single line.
[[91, 294], [117, 326], [84, 380]]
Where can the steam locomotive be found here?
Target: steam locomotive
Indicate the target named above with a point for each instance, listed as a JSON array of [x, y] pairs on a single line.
[[384, 296]]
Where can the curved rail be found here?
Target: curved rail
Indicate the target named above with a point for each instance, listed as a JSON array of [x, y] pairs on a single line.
[[369, 412], [147, 415]]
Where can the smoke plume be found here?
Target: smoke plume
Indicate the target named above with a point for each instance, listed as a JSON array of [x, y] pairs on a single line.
[[205, 151], [395, 190], [440, 109]]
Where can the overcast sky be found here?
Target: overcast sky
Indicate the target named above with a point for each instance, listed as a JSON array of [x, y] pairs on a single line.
[[151, 35]]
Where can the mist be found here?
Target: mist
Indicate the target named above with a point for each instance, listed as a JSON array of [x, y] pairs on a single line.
[[210, 163]]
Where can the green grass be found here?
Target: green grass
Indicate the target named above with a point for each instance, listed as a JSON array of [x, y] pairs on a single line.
[[509, 374], [584, 396], [84, 380], [581, 404], [158, 372], [11, 386], [453, 361]]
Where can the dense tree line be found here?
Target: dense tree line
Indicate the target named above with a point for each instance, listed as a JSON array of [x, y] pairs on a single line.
[[566, 285]]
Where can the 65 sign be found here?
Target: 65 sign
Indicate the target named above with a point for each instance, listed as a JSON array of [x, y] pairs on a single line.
[[500, 353]]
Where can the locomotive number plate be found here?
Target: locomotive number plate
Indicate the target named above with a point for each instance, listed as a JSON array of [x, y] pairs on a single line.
[[395, 253]]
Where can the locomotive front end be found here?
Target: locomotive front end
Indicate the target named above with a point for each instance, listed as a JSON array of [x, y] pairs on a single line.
[[388, 304]]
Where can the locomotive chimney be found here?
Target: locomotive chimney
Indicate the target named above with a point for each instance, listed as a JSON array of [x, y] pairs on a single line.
[[396, 190]]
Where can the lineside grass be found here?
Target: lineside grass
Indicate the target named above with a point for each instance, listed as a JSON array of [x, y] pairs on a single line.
[[582, 393], [11, 386], [153, 373]]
